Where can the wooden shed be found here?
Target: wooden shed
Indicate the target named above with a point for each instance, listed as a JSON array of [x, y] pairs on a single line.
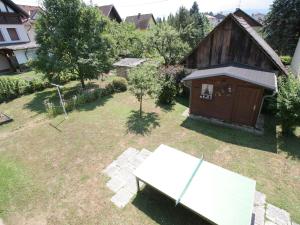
[[125, 64], [233, 71]]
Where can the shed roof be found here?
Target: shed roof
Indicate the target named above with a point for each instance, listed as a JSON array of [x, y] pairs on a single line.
[[261, 42], [129, 62], [141, 21], [258, 77]]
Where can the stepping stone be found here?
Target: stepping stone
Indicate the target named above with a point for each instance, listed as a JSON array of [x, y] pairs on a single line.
[[293, 223], [270, 223], [122, 198], [277, 215], [128, 154], [1, 222], [112, 169], [115, 184], [259, 215], [259, 199]]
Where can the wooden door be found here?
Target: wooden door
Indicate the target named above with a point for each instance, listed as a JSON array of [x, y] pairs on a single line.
[[246, 105]]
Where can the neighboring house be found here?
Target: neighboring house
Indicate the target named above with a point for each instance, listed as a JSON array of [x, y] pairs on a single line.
[[142, 21], [32, 11], [212, 20], [15, 45], [295, 65], [259, 17], [111, 12], [125, 64], [220, 17], [233, 70]]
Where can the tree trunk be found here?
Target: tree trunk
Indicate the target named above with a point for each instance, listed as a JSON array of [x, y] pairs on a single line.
[[82, 82], [141, 102]]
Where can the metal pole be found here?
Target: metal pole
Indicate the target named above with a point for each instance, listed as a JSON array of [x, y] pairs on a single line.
[[61, 100]]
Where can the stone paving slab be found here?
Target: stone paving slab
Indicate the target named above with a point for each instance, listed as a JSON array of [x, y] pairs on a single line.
[[277, 215], [259, 199], [122, 181], [259, 215]]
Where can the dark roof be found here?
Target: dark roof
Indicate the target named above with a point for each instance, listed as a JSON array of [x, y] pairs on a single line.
[[258, 77], [15, 7], [261, 42], [249, 19], [141, 21], [107, 10], [264, 46], [31, 10], [129, 62]]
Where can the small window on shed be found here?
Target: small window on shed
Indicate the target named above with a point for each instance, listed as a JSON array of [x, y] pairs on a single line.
[[207, 91]]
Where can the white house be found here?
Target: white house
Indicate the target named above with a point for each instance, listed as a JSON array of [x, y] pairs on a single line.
[[16, 47], [295, 65]]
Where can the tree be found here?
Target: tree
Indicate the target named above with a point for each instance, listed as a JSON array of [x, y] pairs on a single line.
[[142, 82], [288, 103], [72, 39], [166, 41], [282, 26], [127, 40], [191, 24]]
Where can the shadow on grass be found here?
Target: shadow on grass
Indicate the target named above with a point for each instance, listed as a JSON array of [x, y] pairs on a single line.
[[37, 103], [142, 125], [290, 145], [162, 209], [266, 142], [166, 107]]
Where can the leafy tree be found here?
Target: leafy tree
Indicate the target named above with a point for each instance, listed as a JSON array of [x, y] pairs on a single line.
[[72, 39], [288, 103], [168, 84], [191, 24], [282, 26], [166, 41], [142, 82], [127, 40]]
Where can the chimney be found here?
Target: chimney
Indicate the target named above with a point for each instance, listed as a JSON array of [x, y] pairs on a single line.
[[139, 15]]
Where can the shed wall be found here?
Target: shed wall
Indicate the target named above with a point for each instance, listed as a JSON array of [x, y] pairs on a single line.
[[240, 106]]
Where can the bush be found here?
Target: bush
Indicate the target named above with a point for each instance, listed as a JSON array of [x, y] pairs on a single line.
[[11, 87], [288, 104], [286, 59], [169, 84], [119, 84]]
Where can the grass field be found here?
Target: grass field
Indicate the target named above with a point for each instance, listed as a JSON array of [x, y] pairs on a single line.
[[55, 165]]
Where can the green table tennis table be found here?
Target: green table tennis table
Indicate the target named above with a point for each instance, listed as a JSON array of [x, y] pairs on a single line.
[[218, 195]]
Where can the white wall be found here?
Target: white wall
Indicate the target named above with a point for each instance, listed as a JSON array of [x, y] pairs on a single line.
[[295, 65], [22, 33], [4, 65], [23, 55]]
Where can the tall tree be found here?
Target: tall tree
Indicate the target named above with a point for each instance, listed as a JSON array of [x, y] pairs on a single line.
[[72, 39], [166, 41], [282, 26], [127, 40], [191, 24]]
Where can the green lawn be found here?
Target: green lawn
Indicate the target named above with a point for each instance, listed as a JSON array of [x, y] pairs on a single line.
[[55, 165]]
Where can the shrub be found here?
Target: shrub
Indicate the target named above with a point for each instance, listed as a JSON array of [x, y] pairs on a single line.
[[169, 84], [119, 84], [286, 59], [288, 104]]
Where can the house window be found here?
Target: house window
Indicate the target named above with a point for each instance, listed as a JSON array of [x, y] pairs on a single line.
[[13, 34], [207, 91], [1, 37]]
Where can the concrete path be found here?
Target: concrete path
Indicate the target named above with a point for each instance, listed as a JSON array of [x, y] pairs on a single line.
[[123, 184], [122, 181]]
